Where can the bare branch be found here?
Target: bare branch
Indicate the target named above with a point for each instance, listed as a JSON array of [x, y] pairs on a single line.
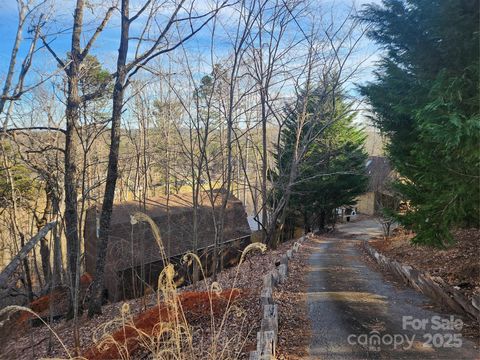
[[140, 12], [97, 32], [51, 51], [45, 128]]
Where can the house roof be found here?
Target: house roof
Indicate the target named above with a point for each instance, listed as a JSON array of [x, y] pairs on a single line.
[[379, 172], [133, 244], [173, 204]]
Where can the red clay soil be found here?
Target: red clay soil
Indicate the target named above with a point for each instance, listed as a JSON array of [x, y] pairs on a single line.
[[457, 265], [193, 303], [42, 304]]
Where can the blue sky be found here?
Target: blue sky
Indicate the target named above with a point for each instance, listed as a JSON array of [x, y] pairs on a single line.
[[60, 19], [107, 43], [105, 48]]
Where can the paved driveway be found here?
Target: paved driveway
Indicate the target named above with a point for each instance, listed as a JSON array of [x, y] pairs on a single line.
[[357, 314]]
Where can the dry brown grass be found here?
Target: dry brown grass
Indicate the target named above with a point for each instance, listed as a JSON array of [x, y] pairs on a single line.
[[165, 331]]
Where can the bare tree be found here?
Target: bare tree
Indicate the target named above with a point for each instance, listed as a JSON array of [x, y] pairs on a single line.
[[72, 66], [31, 18], [168, 39], [27, 11], [327, 65], [268, 65]]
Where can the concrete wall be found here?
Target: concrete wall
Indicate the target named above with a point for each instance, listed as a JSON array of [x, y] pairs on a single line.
[[366, 203]]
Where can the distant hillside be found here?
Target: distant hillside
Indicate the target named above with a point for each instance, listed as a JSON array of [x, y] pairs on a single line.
[[374, 144]]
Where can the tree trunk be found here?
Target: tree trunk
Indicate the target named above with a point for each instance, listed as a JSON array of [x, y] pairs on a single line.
[[57, 246], [28, 278], [72, 114], [44, 249], [322, 219], [26, 248], [95, 305], [13, 57], [264, 166]]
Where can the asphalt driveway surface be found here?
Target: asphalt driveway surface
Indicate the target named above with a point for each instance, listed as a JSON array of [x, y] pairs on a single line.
[[357, 314]]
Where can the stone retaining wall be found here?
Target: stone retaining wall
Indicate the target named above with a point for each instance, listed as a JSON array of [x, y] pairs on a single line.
[[268, 334], [432, 286]]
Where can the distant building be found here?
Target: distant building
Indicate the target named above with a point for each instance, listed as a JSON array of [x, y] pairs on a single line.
[[133, 257], [380, 174], [374, 142]]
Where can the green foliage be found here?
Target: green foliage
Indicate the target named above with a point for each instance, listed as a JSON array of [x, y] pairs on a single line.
[[332, 172], [93, 76], [23, 181], [426, 100]]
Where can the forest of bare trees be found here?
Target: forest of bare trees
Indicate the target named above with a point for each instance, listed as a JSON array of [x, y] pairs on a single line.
[[104, 102]]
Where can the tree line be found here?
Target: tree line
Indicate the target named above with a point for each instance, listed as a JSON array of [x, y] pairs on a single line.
[[425, 99], [262, 107]]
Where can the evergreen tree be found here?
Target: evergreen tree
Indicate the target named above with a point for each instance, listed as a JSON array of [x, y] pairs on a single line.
[[24, 182], [425, 99], [332, 173]]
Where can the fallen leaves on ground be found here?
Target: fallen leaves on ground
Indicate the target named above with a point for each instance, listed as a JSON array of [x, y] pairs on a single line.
[[291, 297], [457, 265], [242, 324]]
